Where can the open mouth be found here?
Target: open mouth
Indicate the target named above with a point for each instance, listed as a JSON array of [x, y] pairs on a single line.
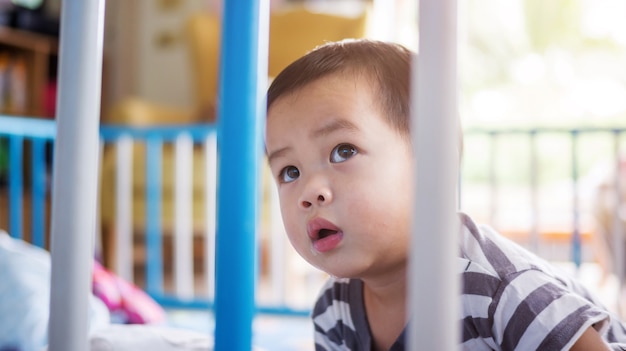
[[323, 233], [319, 228]]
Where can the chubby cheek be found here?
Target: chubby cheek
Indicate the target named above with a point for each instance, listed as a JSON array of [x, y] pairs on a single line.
[[382, 219], [296, 231], [385, 211]]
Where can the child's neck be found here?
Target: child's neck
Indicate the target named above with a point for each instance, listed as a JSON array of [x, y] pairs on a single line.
[[385, 304]]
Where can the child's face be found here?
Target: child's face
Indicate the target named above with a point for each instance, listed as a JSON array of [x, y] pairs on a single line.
[[344, 178]]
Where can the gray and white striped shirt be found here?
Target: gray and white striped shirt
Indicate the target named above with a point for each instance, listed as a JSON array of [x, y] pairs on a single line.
[[511, 300]]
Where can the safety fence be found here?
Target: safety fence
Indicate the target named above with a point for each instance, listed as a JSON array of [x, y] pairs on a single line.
[[553, 190], [543, 187], [157, 212]]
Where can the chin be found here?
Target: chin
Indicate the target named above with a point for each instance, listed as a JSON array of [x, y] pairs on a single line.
[[345, 271]]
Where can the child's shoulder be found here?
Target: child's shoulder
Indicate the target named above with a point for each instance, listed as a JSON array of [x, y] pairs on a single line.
[[501, 279], [496, 261], [484, 246], [500, 260]]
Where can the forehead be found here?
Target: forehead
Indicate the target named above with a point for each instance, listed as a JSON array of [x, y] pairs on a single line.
[[327, 104], [337, 92], [318, 103]]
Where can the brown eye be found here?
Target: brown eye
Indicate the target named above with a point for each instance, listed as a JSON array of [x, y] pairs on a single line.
[[342, 153], [288, 174]]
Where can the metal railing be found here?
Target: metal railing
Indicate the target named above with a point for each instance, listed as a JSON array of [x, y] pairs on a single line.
[[526, 162]]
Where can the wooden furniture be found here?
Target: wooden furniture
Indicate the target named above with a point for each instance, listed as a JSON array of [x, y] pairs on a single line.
[[28, 55]]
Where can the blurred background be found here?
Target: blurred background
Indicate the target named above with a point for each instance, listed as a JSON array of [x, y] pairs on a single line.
[[542, 100]]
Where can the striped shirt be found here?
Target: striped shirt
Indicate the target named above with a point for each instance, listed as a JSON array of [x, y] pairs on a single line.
[[511, 300]]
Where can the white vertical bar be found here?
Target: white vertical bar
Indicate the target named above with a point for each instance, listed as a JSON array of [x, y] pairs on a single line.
[[278, 259], [75, 173], [210, 164], [433, 280], [124, 207], [183, 254]]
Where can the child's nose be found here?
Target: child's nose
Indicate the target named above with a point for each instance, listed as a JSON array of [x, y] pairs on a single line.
[[315, 194]]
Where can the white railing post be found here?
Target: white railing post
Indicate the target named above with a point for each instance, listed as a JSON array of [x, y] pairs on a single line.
[[124, 207], [183, 217], [210, 194], [75, 173], [433, 280]]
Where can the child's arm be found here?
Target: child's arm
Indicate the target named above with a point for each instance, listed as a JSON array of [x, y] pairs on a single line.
[[590, 341]]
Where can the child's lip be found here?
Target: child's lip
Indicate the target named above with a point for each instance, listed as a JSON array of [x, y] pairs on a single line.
[[315, 225]]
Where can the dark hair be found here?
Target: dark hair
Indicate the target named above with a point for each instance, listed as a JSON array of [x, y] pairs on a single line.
[[387, 65]]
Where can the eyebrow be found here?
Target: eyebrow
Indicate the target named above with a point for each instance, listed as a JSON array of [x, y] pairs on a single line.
[[328, 128], [332, 126], [277, 153]]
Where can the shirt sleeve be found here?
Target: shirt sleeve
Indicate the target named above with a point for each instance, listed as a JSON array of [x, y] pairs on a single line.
[[533, 311]]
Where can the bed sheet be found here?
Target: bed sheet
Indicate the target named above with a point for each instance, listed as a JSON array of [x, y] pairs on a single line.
[[270, 332]]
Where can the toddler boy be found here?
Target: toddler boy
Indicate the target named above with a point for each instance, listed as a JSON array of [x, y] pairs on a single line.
[[338, 145]]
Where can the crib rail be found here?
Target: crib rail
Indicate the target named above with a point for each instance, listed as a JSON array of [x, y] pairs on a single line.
[[135, 249], [154, 139], [25, 141], [577, 152], [16, 136], [186, 288]]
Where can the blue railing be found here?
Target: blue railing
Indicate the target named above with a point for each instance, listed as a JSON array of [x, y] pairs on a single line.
[[19, 132], [154, 139], [14, 132]]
